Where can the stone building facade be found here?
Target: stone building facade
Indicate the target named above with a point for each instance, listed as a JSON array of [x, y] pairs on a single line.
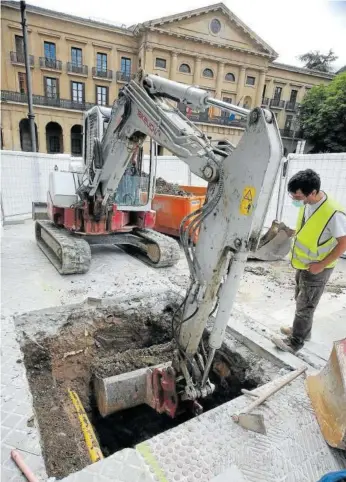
[[77, 63]]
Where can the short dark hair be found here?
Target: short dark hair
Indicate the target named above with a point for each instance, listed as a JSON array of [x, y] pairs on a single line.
[[307, 181]]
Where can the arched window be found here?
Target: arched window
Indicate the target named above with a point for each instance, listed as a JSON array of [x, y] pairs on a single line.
[[230, 77], [247, 102], [76, 140], [54, 138], [208, 73], [185, 68], [25, 137]]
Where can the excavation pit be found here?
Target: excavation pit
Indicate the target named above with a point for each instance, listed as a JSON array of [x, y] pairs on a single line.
[[66, 347]]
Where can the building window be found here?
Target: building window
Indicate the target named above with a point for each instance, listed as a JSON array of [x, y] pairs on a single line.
[[247, 102], [230, 77], [226, 113], [49, 51], [293, 97], [101, 62], [76, 57], [51, 87], [23, 89], [277, 93], [76, 140], [101, 95], [19, 47], [126, 66], [160, 63], [77, 92], [215, 26], [54, 138], [185, 69], [250, 80], [208, 73]]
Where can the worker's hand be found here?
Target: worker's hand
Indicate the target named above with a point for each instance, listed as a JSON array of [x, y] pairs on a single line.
[[316, 268]]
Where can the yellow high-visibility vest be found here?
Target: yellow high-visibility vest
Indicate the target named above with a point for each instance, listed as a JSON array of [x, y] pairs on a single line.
[[307, 247]]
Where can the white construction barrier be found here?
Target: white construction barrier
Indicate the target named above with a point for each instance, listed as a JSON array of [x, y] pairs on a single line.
[[24, 179]]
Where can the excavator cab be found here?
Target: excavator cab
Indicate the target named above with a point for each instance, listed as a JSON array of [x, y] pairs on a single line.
[[136, 188]]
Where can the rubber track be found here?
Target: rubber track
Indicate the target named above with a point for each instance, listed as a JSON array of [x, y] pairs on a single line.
[[74, 254], [169, 248]]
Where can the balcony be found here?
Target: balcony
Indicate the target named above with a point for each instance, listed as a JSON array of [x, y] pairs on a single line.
[[19, 58], [102, 73], [9, 96], [205, 118], [265, 101], [124, 76], [77, 69], [292, 106], [53, 64], [277, 103]]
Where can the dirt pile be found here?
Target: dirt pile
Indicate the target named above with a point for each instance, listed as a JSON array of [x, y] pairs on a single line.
[[164, 187]]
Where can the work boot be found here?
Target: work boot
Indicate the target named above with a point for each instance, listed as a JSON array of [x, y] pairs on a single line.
[[286, 344], [287, 330]]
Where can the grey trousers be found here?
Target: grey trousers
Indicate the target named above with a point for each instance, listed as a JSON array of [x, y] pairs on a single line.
[[308, 292]]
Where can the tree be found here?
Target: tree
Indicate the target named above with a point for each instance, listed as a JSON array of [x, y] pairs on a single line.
[[315, 60], [322, 116]]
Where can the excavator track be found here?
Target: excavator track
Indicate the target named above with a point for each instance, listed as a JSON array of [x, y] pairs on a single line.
[[68, 253], [152, 248], [162, 251]]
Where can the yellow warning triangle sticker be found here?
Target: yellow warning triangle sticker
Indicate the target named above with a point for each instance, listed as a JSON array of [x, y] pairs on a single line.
[[248, 195]]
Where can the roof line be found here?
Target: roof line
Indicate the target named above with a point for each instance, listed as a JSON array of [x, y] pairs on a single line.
[[214, 7], [303, 70], [65, 16]]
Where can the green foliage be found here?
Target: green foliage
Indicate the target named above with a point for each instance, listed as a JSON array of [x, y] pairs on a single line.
[[317, 61], [322, 116]]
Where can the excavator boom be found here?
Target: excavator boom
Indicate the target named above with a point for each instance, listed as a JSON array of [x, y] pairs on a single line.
[[240, 184]]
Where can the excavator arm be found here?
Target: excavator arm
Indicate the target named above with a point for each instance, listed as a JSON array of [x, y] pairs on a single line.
[[240, 184]]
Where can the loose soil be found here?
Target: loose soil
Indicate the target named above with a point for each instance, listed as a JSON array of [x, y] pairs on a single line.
[[108, 346], [164, 187]]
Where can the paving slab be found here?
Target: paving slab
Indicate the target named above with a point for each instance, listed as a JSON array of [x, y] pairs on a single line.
[[207, 446], [265, 301]]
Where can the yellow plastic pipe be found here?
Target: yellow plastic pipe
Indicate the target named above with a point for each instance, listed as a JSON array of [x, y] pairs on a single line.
[[88, 432]]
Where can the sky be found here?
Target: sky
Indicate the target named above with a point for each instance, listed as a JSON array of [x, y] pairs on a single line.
[[290, 27]]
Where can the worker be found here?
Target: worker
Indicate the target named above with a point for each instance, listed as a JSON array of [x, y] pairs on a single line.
[[320, 240]]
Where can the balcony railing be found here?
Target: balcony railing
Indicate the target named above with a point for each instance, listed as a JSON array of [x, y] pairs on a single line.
[[277, 103], [54, 64], [104, 74], [19, 58], [124, 76], [9, 96], [265, 101], [204, 117], [77, 69], [292, 106]]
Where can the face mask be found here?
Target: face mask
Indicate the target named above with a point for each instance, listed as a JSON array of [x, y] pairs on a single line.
[[297, 204]]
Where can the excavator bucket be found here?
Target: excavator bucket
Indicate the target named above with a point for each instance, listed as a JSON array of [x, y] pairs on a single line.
[[327, 392], [275, 244]]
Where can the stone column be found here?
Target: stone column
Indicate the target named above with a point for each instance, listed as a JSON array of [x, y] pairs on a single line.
[[197, 70], [219, 81], [241, 85], [173, 70], [260, 87], [149, 60]]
